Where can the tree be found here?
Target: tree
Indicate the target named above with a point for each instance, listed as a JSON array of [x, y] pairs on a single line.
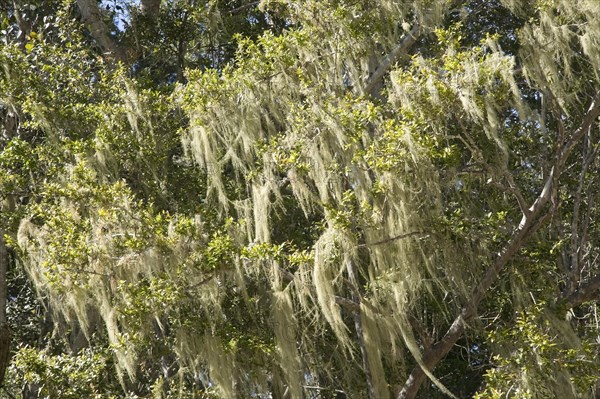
[[351, 199]]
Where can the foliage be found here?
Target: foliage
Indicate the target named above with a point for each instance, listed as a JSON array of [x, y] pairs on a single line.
[[65, 376], [548, 359], [301, 199]]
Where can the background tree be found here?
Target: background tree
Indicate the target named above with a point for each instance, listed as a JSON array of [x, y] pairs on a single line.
[[316, 199]]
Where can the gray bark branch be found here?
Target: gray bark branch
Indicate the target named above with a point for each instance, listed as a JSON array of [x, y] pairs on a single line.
[[401, 50], [91, 16], [396, 54]]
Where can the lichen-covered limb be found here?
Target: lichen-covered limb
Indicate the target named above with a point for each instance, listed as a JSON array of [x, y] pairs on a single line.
[[397, 53], [400, 50]]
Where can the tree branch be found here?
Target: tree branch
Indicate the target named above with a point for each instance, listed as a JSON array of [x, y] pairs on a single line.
[[514, 190], [150, 8], [573, 269], [585, 293], [399, 51], [347, 304], [91, 16], [23, 23], [388, 240], [426, 338]]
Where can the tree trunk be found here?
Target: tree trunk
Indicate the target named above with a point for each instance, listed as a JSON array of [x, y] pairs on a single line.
[[4, 330]]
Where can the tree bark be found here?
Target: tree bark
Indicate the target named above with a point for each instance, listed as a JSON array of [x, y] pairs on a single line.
[[4, 330], [92, 17], [150, 8]]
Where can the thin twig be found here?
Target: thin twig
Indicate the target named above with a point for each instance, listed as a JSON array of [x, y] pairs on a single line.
[[398, 237]]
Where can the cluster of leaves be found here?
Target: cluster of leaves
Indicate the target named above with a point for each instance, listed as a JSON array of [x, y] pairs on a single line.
[[538, 357], [67, 376]]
